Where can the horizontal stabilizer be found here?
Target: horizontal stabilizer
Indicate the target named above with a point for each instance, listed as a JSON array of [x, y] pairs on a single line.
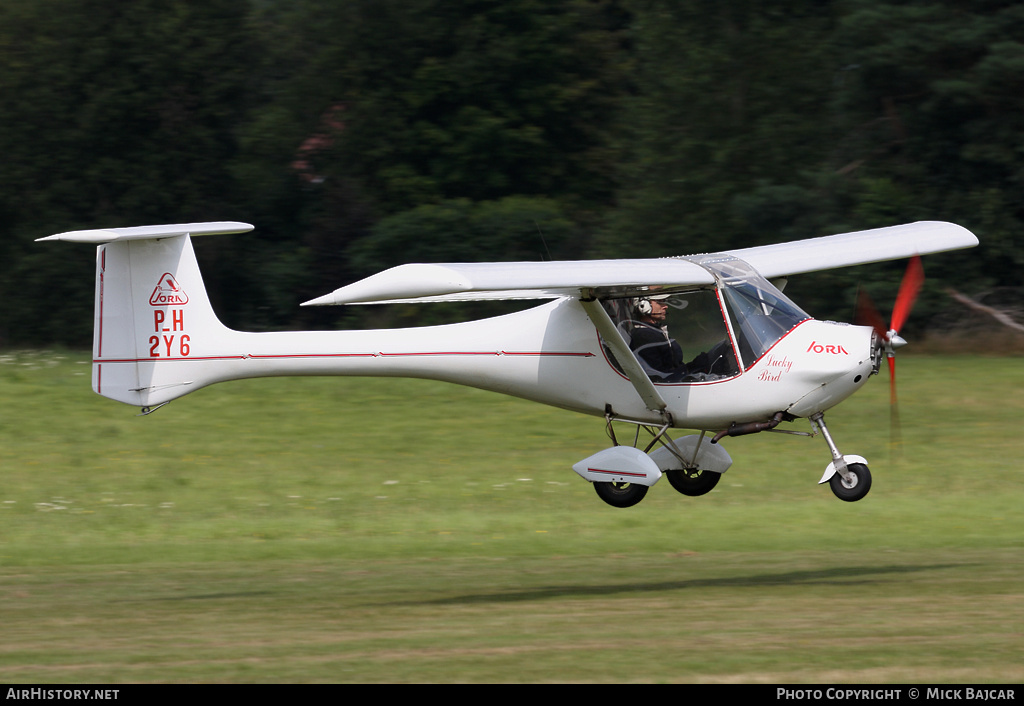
[[110, 235]]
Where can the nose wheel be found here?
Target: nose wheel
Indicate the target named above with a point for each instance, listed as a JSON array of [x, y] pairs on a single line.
[[854, 486], [848, 476]]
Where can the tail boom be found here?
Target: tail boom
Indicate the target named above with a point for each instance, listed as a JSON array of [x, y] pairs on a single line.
[[157, 338]]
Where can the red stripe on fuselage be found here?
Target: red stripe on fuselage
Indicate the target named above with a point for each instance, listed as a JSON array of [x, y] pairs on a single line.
[[538, 354]]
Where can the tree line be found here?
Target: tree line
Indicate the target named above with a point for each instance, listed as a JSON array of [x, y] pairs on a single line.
[[360, 134]]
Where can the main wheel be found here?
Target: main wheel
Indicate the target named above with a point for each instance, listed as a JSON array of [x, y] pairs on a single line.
[[854, 489], [621, 494], [693, 481]]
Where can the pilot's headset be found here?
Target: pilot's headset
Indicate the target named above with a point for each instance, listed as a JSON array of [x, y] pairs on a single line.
[[643, 304]]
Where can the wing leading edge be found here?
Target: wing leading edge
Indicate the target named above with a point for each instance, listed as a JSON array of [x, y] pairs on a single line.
[[551, 280], [512, 280], [859, 248]]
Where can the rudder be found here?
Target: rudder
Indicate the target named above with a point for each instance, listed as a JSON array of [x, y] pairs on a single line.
[[152, 315]]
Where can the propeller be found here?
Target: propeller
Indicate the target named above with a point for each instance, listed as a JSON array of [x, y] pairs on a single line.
[[889, 338]]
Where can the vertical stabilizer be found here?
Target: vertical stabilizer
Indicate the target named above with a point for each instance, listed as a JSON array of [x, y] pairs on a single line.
[[152, 315]]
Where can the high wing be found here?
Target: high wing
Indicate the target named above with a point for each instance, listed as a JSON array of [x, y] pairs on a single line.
[[862, 247], [583, 278], [513, 280]]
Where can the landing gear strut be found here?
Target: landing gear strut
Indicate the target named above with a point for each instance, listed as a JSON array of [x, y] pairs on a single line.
[[848, 476], [622, 474]]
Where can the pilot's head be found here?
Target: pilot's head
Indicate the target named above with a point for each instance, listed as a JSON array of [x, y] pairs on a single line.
[[652, 309]]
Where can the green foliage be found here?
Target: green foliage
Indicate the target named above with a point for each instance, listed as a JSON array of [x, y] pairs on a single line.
[[513, 228], [729, 114], [389, 107], [112, 116], [118, 112], [516, 228], [636, 127], [932, 108], [473, 99]]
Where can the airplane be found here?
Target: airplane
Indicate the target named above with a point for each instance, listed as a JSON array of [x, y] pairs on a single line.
[[756, 359]]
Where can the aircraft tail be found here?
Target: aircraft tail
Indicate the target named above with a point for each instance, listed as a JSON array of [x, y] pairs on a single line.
[[153, 321]]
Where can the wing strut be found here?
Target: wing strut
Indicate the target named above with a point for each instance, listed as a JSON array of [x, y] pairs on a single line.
[[614, 340]]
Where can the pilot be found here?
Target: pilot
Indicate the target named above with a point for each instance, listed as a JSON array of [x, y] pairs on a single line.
[[660, 355]]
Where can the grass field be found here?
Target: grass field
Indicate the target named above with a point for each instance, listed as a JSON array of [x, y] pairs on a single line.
[[348, 530]]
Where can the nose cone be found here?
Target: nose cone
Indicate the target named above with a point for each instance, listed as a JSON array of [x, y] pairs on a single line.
[[838, 362]]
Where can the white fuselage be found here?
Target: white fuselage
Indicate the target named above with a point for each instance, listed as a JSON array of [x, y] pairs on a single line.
[[550, 354]]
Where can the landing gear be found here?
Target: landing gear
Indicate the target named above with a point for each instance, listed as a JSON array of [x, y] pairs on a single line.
[[622, 474], [693, 481], [848, 476], [621, 494], [854, 486]]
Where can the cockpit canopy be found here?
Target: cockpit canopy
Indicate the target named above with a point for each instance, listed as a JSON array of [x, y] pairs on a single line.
[[697, 334]]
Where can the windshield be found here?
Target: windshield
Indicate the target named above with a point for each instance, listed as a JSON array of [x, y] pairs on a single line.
[[760, 314]]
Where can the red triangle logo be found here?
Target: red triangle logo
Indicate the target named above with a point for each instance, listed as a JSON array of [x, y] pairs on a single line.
[[168, 292]]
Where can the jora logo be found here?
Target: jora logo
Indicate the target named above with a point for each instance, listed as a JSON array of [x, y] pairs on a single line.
[[816, 347], [168, 292]]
